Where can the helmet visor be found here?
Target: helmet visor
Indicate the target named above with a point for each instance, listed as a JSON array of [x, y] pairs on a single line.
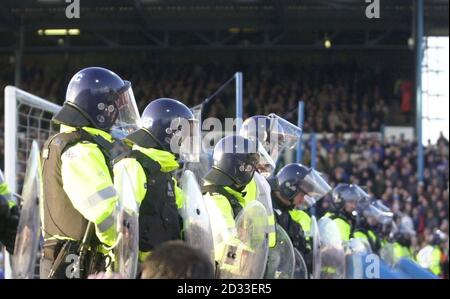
[[314, 187], [128, 119], [283, 135], [356, 194], [377, 214], [266, 165], [185, 141]]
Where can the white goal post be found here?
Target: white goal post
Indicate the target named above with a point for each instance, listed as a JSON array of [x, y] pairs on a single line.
[[27, 118]]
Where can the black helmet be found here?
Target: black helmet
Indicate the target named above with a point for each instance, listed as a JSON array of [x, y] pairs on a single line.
[[258, 129], [98, 97], [386, 229], [294, 178], [347, 193], [403, 238], [234, 162], [161, 120]]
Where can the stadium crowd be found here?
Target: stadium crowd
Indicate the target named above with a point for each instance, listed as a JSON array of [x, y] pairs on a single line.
[[338, 97], [387, 169]]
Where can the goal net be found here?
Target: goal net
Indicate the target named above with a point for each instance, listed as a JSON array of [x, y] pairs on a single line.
[[27, 118]]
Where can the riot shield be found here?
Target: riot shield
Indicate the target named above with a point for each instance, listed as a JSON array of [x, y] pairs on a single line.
[[358, 245], [199, 168], [300, 270], [197, 227], [387, 254], [281, 261], [331, 250], [204, 163], [315, 239], [29, 228], [220, 231], [127, 248], [356, 248], [264, 196], [245, 252], [425, 257]]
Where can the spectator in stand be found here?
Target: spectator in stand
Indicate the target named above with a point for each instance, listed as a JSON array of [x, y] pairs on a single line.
[[406, 96]]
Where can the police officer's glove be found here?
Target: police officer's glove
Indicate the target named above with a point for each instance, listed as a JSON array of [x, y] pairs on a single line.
[[8, 235]]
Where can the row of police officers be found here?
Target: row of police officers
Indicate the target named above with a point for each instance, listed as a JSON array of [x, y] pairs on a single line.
[[80, 174]]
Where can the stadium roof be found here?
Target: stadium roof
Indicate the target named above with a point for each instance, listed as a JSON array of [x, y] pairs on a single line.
[[213, 24]]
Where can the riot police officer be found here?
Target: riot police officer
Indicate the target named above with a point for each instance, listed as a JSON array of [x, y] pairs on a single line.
[[345, 200], [402, 242], [79, 195], [432, 256], [234, 164], [167, 131], [273, 134], [297, 188], [369, 220]]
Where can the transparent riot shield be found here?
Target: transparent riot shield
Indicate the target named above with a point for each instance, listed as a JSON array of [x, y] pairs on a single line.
[[127, 248], [358, 245], [29, 228], [355, 249], [220, 231], [332, 255], [425, 257], [315, 238], [264, 196], [281, 261], [387, 254], [204, 163], [197, 227], [245, 252], [300, 270]]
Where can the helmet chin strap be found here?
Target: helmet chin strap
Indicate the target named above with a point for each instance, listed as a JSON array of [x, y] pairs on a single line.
[[292, 205], [238, 187]]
